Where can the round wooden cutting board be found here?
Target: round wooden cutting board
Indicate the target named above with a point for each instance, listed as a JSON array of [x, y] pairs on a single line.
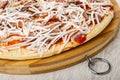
[[67, 58]]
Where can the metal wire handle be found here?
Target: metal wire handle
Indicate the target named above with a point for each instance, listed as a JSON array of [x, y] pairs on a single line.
[[92, 61]]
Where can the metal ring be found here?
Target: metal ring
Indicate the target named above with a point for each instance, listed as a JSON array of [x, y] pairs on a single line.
[[91, 63]]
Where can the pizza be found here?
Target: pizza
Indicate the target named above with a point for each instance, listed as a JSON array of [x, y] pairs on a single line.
[[32, 29]]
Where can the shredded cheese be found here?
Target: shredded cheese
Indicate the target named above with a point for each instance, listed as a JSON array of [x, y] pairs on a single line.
[[41, 23]]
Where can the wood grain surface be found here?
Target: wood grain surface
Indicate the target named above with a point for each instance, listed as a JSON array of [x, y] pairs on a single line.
[[65, 59]]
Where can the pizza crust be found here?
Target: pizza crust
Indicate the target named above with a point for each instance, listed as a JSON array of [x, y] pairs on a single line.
[[24, 54]]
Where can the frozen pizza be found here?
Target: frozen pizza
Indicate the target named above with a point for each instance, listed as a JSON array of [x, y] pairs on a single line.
[[41, 28]]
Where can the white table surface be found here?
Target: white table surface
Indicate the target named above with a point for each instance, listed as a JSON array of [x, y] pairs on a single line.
[[81, 71]]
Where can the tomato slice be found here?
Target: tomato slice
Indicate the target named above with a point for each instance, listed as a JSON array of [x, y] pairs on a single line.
[[79, 38]]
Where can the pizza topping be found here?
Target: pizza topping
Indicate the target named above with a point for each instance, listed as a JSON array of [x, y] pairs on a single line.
[[39, 24], [3, 4], [79, 38], [85, 16]]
